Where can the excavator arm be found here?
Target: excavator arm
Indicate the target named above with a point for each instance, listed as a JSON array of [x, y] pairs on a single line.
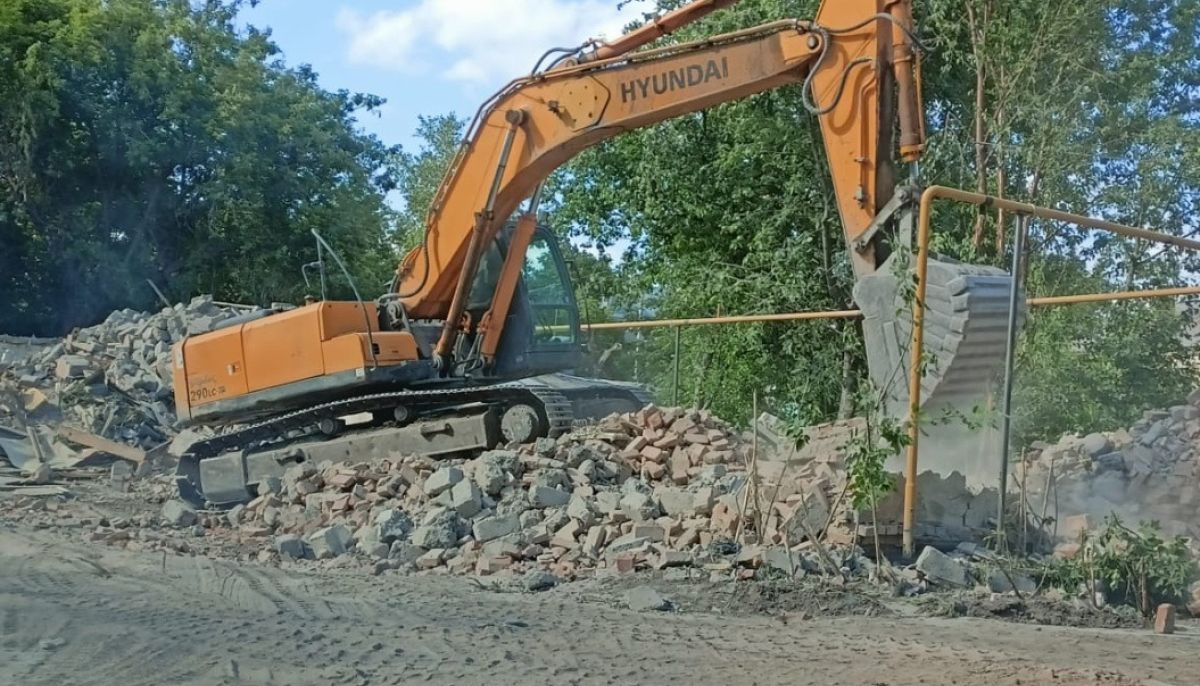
[[848, 60]]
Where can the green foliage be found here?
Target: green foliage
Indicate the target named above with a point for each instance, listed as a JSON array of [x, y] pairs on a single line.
[[866, 455], [420, 174], [154, 139], [1091, 367], [1141, 567]]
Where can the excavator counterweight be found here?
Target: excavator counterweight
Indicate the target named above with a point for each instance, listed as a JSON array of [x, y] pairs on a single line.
[[470, 346]]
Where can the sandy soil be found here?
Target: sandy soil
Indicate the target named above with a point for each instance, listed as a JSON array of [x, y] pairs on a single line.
[[74, 613]]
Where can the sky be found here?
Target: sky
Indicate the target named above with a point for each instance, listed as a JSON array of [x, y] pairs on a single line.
[[430, 57]]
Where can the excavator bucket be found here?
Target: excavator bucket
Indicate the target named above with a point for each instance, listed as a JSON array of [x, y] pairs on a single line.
[[966, 322]]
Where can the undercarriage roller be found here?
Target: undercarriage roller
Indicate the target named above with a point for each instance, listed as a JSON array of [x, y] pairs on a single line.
[[966, 320]]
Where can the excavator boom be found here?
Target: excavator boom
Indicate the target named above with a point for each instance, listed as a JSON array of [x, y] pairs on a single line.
[[535, 124]]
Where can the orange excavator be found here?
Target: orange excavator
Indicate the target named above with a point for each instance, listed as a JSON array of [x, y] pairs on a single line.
[[469, 347]]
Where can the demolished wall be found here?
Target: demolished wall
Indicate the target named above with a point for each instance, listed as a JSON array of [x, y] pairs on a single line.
[[1147, 472]]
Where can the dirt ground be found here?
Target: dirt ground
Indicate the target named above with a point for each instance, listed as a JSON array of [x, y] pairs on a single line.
[[78, 613]]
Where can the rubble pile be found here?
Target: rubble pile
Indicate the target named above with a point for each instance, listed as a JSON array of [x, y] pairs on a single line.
[[652, 488], [112, 379], [1148, 472], [658, 488]]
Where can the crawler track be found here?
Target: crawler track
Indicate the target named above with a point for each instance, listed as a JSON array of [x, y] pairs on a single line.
[[559, 409]]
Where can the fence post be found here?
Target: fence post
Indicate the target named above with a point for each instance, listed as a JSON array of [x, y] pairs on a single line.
[[1009, 368], [675, 372]]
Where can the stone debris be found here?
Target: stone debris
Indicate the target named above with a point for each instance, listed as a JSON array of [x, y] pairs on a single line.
[[660, 488], [113, 380], [291, 546], [644, 598], [940, 568], [585, 503], [1146, 472], [178, 514]]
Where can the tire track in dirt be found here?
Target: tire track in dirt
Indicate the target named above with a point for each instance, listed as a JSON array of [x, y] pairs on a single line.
[[71, 616]]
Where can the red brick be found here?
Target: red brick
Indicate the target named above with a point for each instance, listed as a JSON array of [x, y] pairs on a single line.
[[717, 457], [687, 539], [491, 565], [680, 463], [682, 425], [624, 564], [342, 481], [696, 438], [1164, 619], [670, 440], [653, 453], [1075, 526], [563, 569], [653, 470]]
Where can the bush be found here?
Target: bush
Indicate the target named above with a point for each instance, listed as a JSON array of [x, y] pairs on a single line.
[[1139, 568]]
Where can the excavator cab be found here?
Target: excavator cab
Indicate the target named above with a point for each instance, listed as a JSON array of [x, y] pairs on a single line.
[[541, 331]]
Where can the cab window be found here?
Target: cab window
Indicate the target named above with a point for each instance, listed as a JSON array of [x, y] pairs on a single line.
[[554, 314]]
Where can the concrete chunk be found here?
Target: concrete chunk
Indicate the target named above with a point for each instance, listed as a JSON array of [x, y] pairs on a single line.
[[565, 536], [392, 525], [941, 568], [624, 543], [491, 528], [594, 541], [544, 496], [404, 553], [292, 546], [331, 541], [644, 598], [466, 499], [442, 480], [676, 501], [999, 582], [579, 508], [438, 530], [638, 506], [537, 580], [178, 514], [71, 367], [778, 557]]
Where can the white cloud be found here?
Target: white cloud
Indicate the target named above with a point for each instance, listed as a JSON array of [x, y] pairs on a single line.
[[478, 41]]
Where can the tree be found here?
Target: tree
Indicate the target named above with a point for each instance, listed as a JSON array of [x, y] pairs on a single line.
[[420, 174], [149, 139]]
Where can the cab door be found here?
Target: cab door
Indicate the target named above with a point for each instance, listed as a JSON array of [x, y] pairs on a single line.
[[542, 332]]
